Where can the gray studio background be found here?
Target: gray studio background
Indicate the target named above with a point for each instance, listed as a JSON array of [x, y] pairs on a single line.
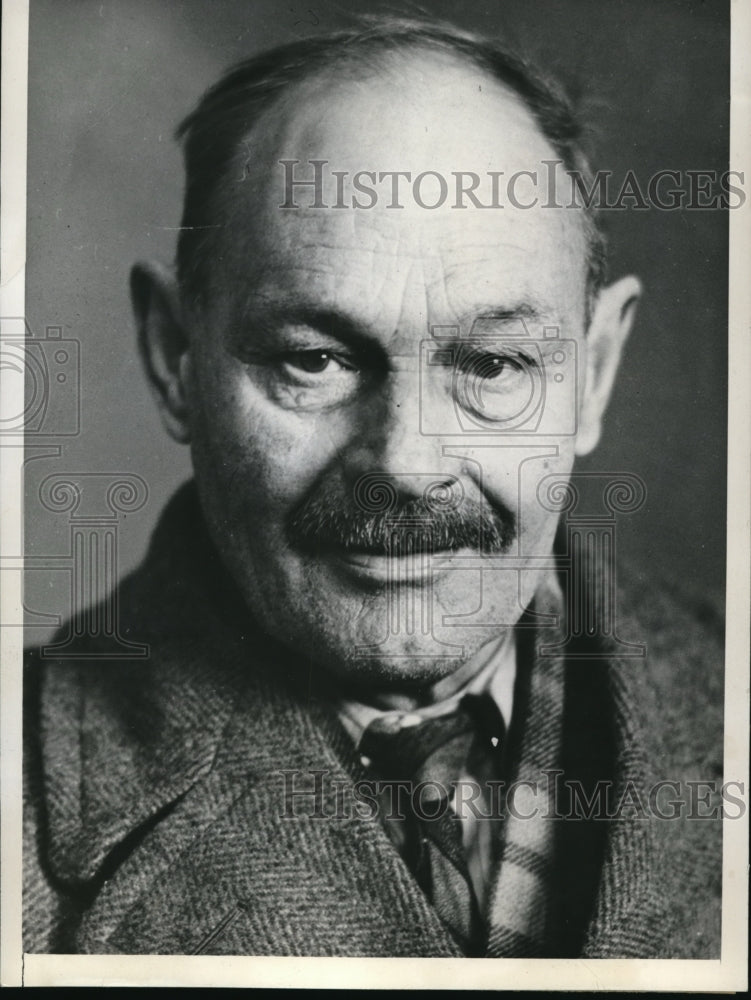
[[109, 80]]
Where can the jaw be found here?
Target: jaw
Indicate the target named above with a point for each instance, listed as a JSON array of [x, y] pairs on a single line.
[[389, 633]]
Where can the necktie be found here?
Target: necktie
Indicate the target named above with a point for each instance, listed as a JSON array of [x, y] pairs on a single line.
[[429, 754]]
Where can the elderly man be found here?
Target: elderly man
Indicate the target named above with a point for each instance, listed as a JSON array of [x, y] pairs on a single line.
[[371, 721]]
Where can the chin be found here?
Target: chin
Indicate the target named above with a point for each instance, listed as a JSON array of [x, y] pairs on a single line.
[[405, 671], [381, 659], [412, 638]]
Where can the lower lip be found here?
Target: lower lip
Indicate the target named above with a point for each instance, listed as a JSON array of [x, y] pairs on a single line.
[[400, 571]]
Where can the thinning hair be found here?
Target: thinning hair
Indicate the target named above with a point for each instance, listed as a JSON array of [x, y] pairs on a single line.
[[213, 132]]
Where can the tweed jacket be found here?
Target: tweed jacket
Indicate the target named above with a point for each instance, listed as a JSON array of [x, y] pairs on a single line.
[[157, 819]]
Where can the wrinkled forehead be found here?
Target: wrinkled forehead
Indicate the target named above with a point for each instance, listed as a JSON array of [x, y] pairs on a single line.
[[348, 183]]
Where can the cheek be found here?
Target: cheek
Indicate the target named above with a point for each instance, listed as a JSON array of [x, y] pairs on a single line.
[[247, 451], [541, 492], [516, 473]]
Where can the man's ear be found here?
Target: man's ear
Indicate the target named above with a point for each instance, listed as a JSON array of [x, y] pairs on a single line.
[[163, 344], [608, 329]]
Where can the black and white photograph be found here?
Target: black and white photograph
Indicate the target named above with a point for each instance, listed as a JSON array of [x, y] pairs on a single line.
[[375, 443]]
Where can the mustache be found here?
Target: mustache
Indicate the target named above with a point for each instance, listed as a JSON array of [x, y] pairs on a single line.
[[376, 518]]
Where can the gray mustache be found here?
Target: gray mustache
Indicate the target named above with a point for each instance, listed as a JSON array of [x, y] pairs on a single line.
[[376, 519]]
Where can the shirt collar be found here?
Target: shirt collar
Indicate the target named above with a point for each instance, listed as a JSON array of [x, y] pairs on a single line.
[[493, 669]]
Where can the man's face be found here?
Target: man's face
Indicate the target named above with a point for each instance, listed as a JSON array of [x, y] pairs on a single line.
[[359, 380]]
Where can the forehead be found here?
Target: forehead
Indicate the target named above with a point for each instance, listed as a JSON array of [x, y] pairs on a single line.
[[430, 116]]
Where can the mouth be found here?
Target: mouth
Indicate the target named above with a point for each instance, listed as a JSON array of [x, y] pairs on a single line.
[[417, 569]]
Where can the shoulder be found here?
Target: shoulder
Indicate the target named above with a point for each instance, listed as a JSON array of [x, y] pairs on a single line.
[[680, 702], [114, 730], [683, 667]]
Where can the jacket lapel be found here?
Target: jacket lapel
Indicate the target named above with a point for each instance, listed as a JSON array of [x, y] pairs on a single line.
[[270, 854]]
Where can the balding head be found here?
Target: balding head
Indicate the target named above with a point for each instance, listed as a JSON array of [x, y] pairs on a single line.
[[451, 121], [220, 135]]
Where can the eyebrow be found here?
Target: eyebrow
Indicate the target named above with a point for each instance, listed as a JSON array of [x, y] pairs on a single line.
[[524, 310], [330, 322], [348, 330], [496, 316]]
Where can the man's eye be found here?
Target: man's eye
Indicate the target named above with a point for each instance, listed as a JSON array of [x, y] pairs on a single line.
[[495, 370], [316, 362], [493, 366]]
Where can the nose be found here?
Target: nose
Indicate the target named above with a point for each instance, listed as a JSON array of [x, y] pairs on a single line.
[[397, 437]]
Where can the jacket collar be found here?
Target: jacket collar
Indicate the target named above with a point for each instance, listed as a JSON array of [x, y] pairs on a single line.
[[122, 740]]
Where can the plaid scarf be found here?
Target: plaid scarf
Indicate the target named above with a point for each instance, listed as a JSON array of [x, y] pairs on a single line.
[[521, 910]]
